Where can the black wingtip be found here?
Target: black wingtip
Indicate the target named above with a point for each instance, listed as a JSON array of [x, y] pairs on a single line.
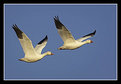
[[45, 39], [18, 31], [58, 24], [56, 18], [94, 32], [91, 34]]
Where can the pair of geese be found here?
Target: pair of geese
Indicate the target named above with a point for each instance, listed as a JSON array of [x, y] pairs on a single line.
[[34, 54]]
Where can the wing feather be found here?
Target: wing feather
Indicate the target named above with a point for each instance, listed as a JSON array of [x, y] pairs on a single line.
[[64, 33], [41, 45], [86, 36], [24, 41]]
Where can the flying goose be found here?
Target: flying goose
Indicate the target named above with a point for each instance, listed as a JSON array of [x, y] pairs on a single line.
[[69, 41], [31, 54]]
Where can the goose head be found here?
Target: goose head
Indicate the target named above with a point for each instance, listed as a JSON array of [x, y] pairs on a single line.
[[49, 53], [61, 48], [89, 41]]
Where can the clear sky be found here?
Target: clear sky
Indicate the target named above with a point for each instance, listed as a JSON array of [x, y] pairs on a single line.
[[91, 61]]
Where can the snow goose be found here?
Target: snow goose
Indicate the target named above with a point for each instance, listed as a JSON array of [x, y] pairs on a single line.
[[69, 41], [31, 54]]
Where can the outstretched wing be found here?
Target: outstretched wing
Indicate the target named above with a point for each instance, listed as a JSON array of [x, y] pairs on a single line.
[[24, 41], [41, 45], [63, 31], [86, 36]]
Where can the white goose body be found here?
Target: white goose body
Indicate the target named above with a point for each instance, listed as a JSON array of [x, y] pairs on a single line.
[[33, 58], [31, 54], [68, 39], [73, 45]]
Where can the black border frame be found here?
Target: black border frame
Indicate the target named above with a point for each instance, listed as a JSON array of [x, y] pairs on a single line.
[[2, 2]]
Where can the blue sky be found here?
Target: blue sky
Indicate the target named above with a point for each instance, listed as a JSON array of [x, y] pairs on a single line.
[[91, 61]]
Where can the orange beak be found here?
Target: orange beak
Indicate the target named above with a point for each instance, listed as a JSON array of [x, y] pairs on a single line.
[[59, 48], [52, 54], [91, 41]]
